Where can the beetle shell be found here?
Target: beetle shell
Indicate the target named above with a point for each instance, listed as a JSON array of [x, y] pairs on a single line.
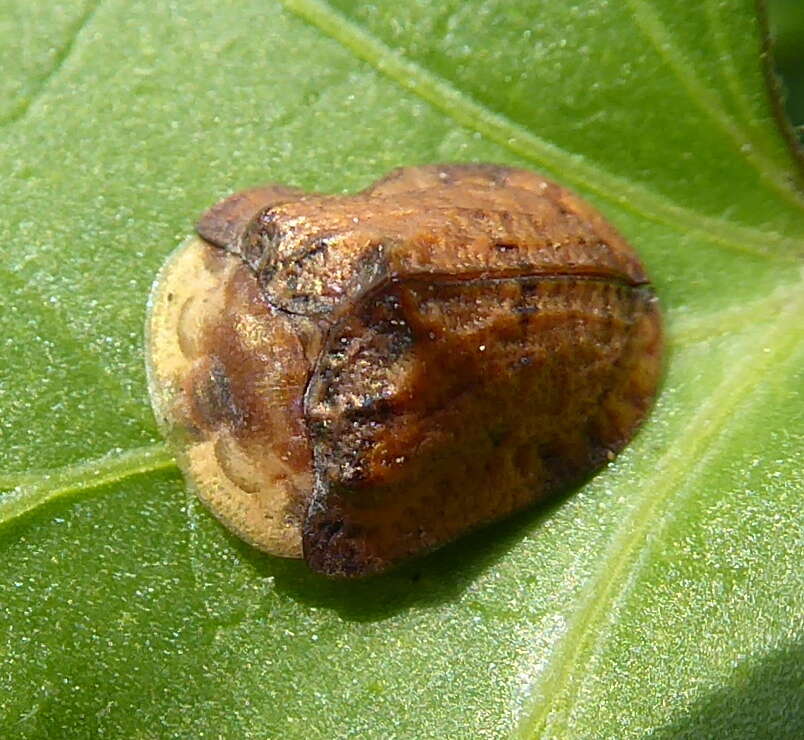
[[360, 379]]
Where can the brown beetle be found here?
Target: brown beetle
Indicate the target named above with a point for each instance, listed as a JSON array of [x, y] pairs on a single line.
[[360, 379]]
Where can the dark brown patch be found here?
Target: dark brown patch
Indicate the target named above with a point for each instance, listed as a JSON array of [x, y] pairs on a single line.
[[215, 402]]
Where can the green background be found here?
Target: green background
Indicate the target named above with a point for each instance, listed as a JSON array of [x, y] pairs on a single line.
[[787, 29], [663, 597]]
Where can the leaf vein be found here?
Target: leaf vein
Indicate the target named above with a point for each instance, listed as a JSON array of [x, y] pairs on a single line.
[[59, 62], [574, 168], [655, 30], [30, 490], [739, 93], [618, 566], [685, 329]]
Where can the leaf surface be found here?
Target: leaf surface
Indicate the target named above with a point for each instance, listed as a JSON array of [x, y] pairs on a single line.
[[663, 596]]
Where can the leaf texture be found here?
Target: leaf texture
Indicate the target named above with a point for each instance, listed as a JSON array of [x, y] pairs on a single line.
[[662, 597]]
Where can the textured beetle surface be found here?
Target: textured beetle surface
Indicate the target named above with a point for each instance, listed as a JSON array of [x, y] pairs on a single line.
[[359, 379]]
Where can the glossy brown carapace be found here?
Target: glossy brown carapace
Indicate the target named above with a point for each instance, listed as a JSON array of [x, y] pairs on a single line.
[[359, 379]]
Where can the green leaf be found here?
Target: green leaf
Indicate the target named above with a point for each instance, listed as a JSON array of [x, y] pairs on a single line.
[[662, 597]]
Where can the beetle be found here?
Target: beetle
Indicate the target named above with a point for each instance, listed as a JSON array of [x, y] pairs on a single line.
[[361, 379]]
